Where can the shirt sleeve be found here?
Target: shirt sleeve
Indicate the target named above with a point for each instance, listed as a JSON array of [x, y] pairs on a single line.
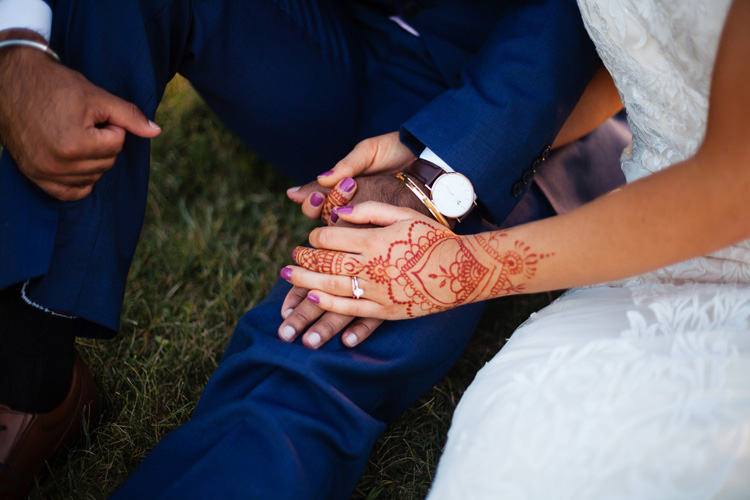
[[511, 100], [35, 15]]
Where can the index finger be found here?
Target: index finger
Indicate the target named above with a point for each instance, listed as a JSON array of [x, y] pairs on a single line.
[[344, 239], [326, 261], [95, 143], [352, 165], [79, 147]]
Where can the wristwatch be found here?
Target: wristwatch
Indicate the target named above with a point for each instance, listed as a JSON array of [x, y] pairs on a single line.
[[451, 193]]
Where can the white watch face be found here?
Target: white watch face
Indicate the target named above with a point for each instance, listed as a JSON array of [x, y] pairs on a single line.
[[453, 194]]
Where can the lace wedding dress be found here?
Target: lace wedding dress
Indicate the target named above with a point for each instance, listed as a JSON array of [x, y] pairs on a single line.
[[637, 389]]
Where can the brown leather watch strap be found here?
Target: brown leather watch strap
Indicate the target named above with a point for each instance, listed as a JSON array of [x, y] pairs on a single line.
[[425, 171]]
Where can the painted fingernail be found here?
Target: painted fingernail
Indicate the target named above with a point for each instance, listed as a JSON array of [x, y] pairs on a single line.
[[313, 298], [316, 199], [347, 185], [286, 273], [286, 313], [334, 216], [153, 125], [293, 189], [326, 174], [350, 339], [313, 339], [344, 210], [288, 333]]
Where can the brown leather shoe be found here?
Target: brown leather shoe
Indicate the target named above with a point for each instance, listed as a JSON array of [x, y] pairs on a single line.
[[27, 440]]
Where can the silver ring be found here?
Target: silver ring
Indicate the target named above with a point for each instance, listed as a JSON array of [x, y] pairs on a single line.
[[357, 292]]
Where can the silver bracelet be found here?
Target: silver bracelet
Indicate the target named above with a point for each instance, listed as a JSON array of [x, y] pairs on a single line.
[[29, 43]]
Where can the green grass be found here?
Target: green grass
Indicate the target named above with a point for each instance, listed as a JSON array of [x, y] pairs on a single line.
[[218, 229]]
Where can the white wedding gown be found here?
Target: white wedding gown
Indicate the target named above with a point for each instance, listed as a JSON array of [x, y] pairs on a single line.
[[638, 389]]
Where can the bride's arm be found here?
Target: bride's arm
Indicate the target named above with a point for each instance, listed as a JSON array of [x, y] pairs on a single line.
[[599, 102], [690, 209], [415, 267]]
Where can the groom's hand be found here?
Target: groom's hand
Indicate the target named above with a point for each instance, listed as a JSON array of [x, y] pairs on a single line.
[[318, 326], [318, 201], [373, 164], [386, 188], [63, 131]]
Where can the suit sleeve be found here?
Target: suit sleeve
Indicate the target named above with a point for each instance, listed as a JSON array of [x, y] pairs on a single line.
[[512, 99]]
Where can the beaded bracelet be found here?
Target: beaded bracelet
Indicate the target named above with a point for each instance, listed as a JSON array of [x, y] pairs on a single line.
[[29, 43]]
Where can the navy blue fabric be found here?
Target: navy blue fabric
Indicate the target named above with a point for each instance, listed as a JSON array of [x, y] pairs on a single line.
[[512, 97], [284, 422], [300, 82]]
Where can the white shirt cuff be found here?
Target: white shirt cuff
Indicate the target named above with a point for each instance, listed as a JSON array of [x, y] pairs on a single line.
[[429, 155], [30, 14]]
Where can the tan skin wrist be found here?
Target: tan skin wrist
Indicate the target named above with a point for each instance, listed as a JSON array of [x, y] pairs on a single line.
[[11, 68], [10, 55], [20, 34], [387, 189], [505, 265]]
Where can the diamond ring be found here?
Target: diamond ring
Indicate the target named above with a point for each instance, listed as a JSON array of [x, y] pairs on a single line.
[[357, 292]]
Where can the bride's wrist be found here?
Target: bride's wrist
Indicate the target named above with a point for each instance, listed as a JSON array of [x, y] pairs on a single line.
[[505, 265]]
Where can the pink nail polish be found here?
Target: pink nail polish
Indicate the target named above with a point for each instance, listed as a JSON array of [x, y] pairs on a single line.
[[326, 174], [286, 273], [313, 298], [347, 185], [316, 199], [334, 216], [344, 210]]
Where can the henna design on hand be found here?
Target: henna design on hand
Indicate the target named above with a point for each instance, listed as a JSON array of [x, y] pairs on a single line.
[[325, 261], [334, 199], [512, 262], [414, 276], [434, 270]]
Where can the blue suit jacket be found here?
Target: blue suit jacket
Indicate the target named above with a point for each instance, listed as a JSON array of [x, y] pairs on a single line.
[[510, 94]]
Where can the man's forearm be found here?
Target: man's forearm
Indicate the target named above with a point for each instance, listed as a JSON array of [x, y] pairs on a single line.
[[11, 71]]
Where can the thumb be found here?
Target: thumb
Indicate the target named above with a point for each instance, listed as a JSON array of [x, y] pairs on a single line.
[[380, 214], [384, 153], [124, 114], [357, 162]]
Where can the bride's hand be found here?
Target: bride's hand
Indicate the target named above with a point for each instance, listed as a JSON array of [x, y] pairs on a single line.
[[412, 267]]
